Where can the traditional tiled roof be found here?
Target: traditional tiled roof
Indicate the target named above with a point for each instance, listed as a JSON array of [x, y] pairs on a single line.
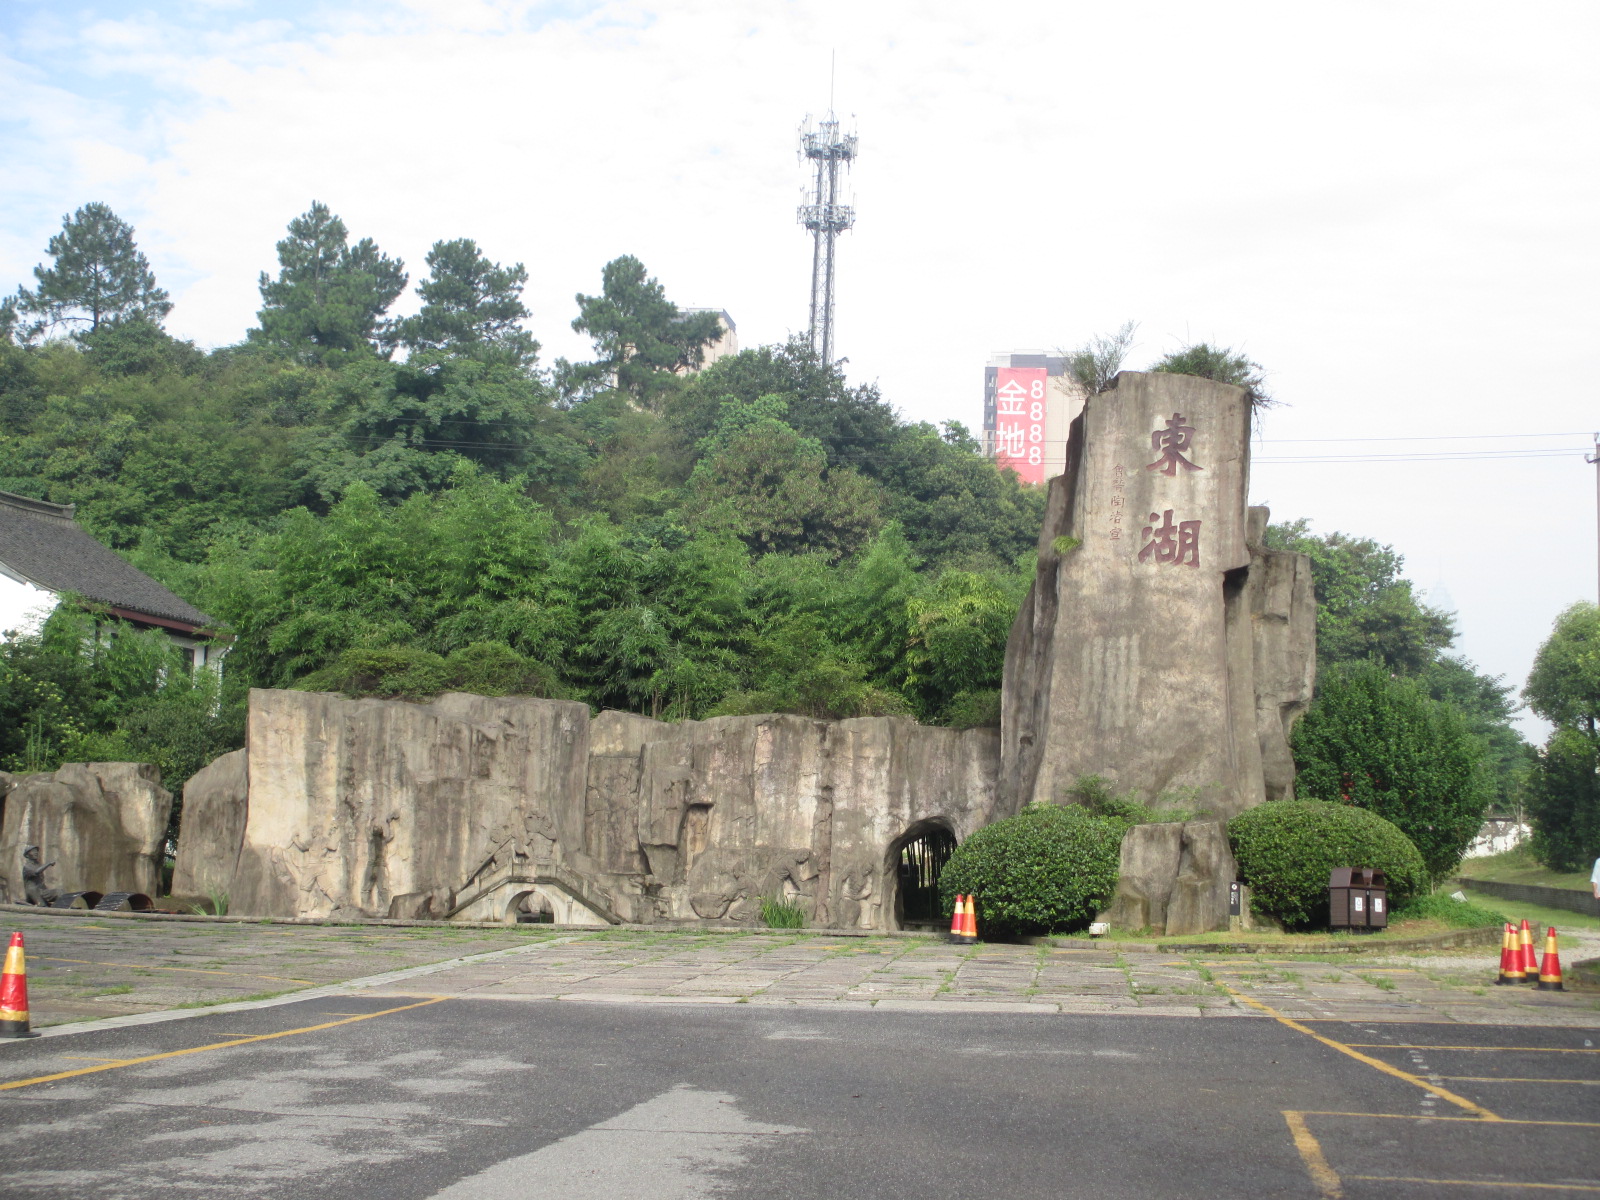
[[42, 544]]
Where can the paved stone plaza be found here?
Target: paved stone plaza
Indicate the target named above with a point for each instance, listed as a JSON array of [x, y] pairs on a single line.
[[86, 968]]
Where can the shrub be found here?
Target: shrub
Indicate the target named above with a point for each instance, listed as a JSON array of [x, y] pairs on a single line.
[[973, 710], [1287, 848], [404, 673], [1050, 867]]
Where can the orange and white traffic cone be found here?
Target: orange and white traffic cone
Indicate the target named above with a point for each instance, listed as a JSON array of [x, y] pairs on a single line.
[[970, 928], [14, 992], [1550, 970], [1510, 957], [1530, 960], [956, 926]]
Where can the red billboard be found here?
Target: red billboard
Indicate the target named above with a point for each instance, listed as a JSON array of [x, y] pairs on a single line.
[[1019, 420]]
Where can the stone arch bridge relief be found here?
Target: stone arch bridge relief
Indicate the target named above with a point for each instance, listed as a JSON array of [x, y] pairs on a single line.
[[1161, 647]]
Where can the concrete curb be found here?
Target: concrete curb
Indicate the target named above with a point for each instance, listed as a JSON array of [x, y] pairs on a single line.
[[1451, 938], [696, 927]]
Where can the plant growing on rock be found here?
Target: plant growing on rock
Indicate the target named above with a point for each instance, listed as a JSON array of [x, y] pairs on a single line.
[[1049, 868], [1287, 848]]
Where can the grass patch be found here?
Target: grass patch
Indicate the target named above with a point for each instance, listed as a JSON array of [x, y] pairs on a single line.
[[781, 914], [234, 999], [121, 989], [1456, 914], [1519, 866], [1538, 916]]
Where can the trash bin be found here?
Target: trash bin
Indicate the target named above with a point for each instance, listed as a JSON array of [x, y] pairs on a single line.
[[1358, 898]]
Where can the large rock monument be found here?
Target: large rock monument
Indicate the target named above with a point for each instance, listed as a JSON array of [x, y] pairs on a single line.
[[1161, 647]]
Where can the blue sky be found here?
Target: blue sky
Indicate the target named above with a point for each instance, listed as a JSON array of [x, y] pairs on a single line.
[[1389, 204]]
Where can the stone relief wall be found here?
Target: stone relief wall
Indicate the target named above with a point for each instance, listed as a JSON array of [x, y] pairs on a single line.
[[104, 825], [469, 805]]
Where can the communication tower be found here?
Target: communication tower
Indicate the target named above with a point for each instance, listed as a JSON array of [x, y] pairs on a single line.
[[826, 218]]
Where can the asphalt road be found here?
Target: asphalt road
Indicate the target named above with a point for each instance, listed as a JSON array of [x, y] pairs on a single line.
[[462, 1099]]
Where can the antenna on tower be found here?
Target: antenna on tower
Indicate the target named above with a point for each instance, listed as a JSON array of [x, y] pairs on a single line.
[[826, 218]]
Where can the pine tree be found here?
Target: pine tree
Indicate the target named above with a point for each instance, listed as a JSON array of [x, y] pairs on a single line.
[[641, 338], [470, 307], [99, 278], [330, 298]]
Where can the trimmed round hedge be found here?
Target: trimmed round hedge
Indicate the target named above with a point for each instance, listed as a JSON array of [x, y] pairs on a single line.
[[1287, 848], [1050, 867]]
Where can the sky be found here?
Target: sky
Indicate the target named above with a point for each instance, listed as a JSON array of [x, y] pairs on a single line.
[[1388, 205]]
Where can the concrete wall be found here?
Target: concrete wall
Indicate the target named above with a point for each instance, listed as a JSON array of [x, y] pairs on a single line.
[[1529, 893]]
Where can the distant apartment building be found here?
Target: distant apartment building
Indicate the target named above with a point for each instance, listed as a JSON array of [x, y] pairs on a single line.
[[1028, 402], [726, 344]]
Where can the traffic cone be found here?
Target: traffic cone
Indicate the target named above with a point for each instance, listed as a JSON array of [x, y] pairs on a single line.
[[970, 921], [14, 992], [956, 927], [1550, 971], [1510, 957], [1530, 960]]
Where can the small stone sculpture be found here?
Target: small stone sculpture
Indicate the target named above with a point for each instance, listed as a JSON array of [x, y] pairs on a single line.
[[33, 886]]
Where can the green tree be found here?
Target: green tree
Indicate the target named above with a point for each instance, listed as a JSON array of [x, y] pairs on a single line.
[[1563, 801], [1563, 793], [329, 299], [1378, 742], [1564, 685], [772, 487], [1365, 607], [641, 339], [472, 307], [959, 629], [99, 277]]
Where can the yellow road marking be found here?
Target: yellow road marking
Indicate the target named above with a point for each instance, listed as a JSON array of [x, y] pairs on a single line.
[[244, 1041], [1516, 1049], [181, 970], [1375, 1064], [1323, 1176], [1369, 1116], [1508, 1079], [1549, 1187]]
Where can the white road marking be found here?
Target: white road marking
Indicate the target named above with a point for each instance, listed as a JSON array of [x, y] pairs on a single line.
[[672, 1147]]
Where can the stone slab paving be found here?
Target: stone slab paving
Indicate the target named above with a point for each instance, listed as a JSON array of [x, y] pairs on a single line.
[[83, 968]]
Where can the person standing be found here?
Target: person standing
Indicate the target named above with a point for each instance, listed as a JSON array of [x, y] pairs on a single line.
[[1594, 882]]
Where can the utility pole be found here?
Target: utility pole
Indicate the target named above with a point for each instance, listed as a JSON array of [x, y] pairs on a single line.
[[1595, 459]]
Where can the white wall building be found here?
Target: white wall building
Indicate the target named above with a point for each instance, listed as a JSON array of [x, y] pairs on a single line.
[[44, 552]]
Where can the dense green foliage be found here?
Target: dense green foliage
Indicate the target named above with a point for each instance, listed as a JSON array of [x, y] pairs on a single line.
[[1379, 742], [1049, 868], [1563, 794], [73, 693], [1288, 848], [397, 506]]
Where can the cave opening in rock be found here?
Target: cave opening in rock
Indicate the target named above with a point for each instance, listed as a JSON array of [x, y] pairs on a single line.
[[917, 858]]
